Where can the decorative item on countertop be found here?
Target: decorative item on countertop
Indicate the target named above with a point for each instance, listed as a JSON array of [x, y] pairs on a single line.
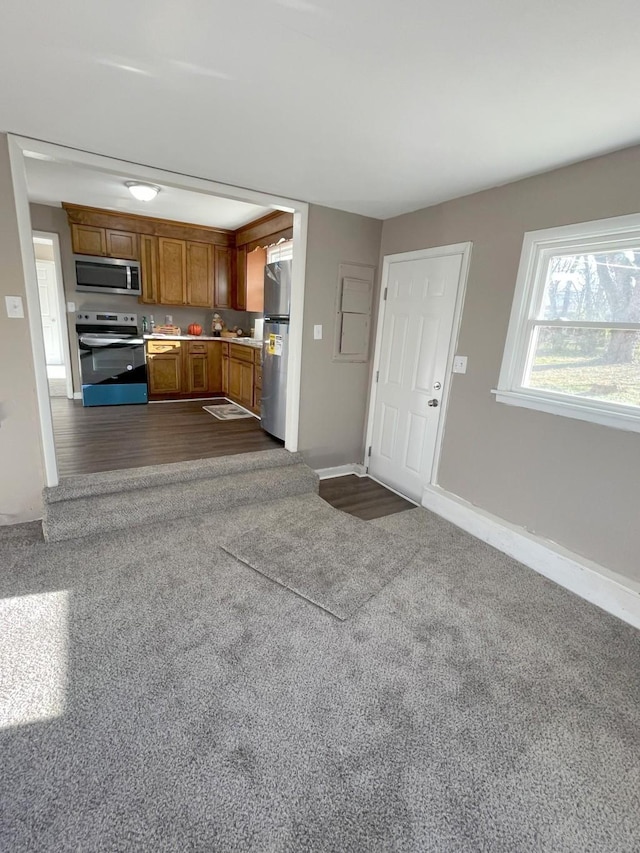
[[166, 330], [145, 325], [217, 325], [194, 329]]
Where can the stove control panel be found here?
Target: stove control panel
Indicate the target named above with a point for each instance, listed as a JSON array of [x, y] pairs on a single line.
[[102, 318]]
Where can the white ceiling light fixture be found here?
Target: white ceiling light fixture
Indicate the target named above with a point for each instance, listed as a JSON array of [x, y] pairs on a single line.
[[142, 192]]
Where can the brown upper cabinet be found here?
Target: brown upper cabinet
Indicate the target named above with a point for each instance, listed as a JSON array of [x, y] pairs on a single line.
[[88, 240], [186, 273], [222, 277], [122, 244], [172, 271], [200, 275], [240, 294], [104, 242], [149, 269], [256, 262], [181, 263], [251, 256]]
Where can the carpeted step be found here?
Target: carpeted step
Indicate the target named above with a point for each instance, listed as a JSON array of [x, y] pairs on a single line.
[[130, 479], [82, 508]]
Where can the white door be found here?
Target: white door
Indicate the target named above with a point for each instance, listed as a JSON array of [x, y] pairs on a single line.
[[46, 271], [414, 347]]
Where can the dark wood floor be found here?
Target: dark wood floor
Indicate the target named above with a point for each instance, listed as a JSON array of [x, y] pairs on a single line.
[[104, 438], [362, 497]]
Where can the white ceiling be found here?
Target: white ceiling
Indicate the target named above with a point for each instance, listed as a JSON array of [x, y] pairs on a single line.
[[374, 106], [52, 183]]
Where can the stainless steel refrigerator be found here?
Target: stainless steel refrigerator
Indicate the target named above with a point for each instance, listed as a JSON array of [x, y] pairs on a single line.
[[275, 347]]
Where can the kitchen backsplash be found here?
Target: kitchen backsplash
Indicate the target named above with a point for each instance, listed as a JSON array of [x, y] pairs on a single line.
[[182, 317]]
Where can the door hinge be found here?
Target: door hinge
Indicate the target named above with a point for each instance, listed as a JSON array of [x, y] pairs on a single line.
[[369, 452], [377, 375], [385, 294]]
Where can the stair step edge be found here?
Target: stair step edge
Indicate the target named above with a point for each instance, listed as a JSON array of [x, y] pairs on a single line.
[[131, 479], [74, 520]]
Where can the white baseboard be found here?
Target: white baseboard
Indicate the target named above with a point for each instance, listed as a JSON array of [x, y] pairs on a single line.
[[341, 471], [606, 589], [77, 395], [391, 489]]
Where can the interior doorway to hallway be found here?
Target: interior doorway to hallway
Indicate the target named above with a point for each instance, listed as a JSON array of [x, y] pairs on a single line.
[[53, 319]]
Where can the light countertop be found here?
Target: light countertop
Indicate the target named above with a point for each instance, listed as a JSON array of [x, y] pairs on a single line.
[[247, 342]]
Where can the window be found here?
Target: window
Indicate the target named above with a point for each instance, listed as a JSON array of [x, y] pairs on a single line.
[[282, 251], [573, 345]]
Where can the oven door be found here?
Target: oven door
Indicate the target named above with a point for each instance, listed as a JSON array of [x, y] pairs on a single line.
[[113, 369]]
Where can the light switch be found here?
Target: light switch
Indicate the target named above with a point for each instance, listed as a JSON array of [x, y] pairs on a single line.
[[71, 307], [15, 308], [460, 364], [317, 333]]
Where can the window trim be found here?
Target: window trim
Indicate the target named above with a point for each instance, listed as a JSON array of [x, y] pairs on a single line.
[[278, 247], [537, 247]]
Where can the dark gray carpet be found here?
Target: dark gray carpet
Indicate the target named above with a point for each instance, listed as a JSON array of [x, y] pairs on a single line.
[[328, 557], [92, 506], [471, 705]]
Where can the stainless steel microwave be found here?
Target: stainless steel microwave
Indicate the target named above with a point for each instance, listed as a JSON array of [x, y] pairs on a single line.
[[107, 275]]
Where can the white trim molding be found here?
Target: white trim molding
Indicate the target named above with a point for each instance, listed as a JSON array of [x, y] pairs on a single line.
[[32, 295], [559, 404], [608, 590], [341, 471], [464, 250], [62, 307], [538, 248]]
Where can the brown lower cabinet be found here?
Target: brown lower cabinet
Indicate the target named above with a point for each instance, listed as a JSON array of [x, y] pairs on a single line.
[[183, 369], [257, 381], [241, 375], [245, 376], [225, 368], [180, 370], [164, 368]]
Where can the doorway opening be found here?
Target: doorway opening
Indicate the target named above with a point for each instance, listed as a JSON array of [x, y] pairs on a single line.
[[53, 317], [194, 263]]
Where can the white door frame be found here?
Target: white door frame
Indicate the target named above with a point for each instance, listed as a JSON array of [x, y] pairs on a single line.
[[19, 146], [62, 307], [463, 249]]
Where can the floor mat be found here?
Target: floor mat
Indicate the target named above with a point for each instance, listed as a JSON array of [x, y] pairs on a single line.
[[228, 412], [332, 559]]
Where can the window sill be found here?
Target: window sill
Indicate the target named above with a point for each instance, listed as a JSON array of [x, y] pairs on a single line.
[[587, 411]]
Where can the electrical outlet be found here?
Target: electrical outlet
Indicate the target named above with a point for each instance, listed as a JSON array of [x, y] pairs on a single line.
[[15, 308], [460, 364], [317, 333]]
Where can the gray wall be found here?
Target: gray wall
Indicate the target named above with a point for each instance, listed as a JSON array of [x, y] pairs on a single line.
[[333, 395], [21, 470], [569, 481]]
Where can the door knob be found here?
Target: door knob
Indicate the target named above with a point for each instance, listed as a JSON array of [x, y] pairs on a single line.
[[433, 403]]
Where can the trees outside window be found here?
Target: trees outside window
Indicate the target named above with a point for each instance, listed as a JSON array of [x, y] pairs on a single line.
[[574, 335]]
